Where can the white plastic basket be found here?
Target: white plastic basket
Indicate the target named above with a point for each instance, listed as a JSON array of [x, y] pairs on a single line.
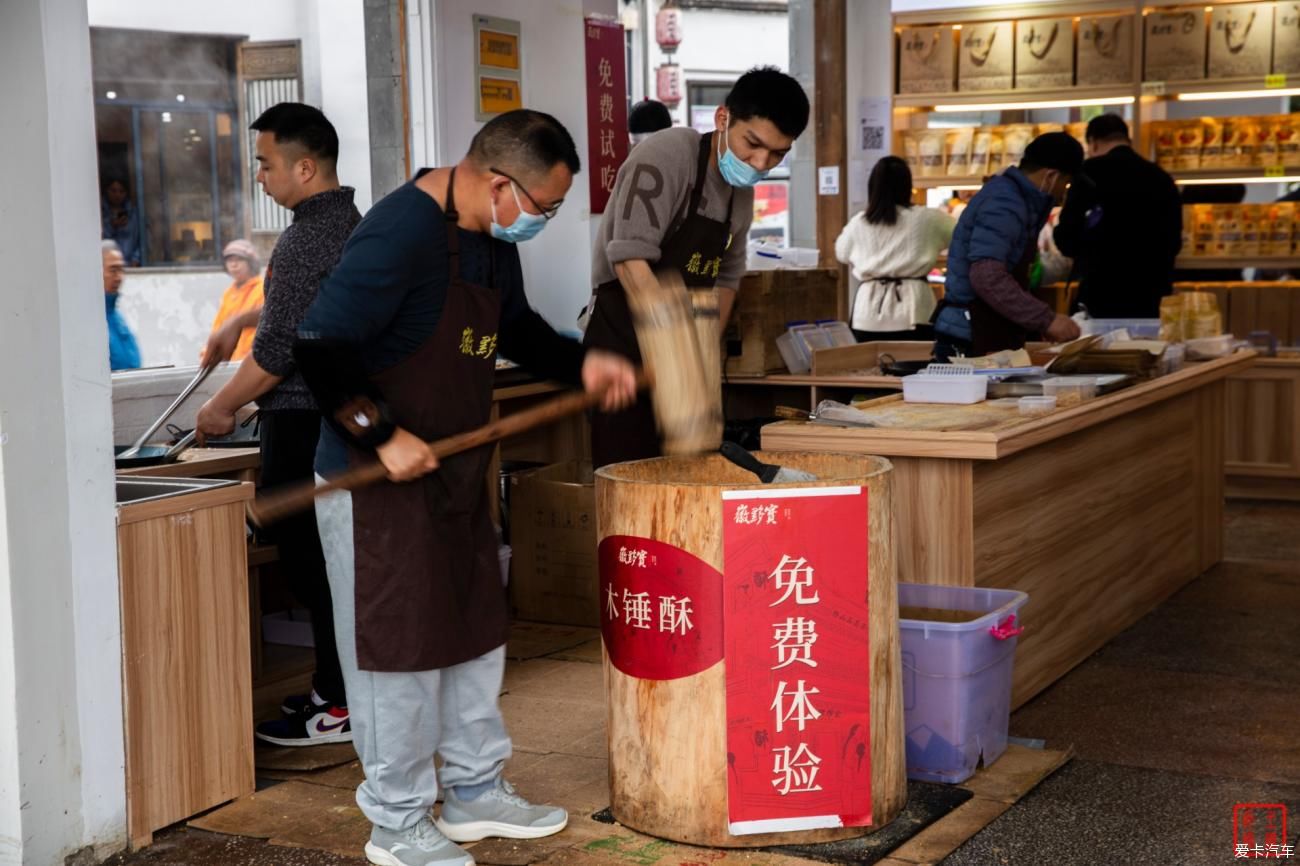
[[945, 383]]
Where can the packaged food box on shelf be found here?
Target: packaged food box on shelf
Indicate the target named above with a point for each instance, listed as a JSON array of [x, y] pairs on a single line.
[[1241, 230], [1241, 40], [927, 59], [974, 151], [1226, 142], [1105, 50]]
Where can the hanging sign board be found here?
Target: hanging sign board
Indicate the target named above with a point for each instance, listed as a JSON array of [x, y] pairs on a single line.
[[607, 141], [798, 657]]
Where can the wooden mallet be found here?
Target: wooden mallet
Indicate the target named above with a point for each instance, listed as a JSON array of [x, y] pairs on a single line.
[[280, 503], [680, 347]]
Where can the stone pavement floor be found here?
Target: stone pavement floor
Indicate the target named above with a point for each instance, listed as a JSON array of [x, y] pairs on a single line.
[[1188, 713]]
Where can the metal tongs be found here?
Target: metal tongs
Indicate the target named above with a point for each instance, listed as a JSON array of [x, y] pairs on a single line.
[[171, 410]]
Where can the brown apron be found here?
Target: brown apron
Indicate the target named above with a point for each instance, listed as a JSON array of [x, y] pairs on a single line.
[[428, 584], [990, 330], [695, 249]]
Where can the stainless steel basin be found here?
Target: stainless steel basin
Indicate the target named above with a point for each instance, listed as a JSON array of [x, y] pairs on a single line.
[[132, 489]]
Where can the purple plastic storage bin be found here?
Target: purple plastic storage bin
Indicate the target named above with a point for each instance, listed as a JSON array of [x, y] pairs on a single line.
[[957, 679]]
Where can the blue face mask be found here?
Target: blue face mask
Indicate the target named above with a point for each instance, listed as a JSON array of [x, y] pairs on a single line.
[[736, 171], [525, 226]]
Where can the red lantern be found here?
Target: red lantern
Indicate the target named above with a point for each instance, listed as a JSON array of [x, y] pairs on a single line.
[[668, 28], [668, 84]]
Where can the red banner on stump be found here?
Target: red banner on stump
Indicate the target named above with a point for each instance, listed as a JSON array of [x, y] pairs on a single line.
[[798, 659], [660, 609], [607, 141]]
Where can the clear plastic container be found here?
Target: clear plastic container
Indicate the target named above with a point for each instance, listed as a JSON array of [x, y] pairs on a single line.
[[956, 678], [792, 353], [840, 333], [1172, 360], [1211, 347], [1070, 390], [810, 338], [1138, 329], [945, 383], [1036, 405]]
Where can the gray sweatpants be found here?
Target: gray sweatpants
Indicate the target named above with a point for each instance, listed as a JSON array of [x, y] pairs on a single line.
[[400, 720]]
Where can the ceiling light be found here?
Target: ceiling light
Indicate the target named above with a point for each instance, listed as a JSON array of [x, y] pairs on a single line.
[[1048, 103], [180, 97], [112, 94], [1238, 94], [166, 117]]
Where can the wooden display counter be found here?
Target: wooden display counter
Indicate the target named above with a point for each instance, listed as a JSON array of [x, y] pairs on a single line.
[[1098, 511], [1262, 447]]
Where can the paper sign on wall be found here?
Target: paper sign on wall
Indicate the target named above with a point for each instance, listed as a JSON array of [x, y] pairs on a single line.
[[798, 653], [498, 67]]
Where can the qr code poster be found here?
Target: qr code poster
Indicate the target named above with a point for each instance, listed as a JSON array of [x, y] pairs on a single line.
[[873, 136], [873, 128]]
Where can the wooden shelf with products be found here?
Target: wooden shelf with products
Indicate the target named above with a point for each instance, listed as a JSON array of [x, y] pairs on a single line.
[[1015, 100], [1255, 174], [947, 182], [1271, 263]]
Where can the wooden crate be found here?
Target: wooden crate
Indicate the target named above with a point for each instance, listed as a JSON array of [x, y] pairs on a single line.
[[766, 302]]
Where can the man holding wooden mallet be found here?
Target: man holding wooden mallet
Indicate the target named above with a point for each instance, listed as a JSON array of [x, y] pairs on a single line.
[[400, 348], [669, 257]]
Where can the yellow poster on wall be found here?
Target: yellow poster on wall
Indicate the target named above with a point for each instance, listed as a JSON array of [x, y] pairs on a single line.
[[498, 49], [497, 95]]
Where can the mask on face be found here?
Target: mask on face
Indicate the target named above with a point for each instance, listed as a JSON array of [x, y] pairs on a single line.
[[736, 171], [525, 226]]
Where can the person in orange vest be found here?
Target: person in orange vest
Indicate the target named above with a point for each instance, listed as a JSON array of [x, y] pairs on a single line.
[[241, 304]]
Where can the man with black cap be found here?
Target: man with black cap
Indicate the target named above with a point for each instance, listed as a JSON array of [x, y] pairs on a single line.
[[987, 306], [646, 118], [1123, 225]]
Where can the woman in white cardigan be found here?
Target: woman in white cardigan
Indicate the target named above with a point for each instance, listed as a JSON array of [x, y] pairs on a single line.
[[891, 247]]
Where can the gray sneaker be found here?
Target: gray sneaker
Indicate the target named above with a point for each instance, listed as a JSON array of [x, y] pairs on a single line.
[[421, 845], [499, 812]]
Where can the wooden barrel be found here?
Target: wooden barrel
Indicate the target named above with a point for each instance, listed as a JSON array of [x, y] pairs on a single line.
[[668, 742]]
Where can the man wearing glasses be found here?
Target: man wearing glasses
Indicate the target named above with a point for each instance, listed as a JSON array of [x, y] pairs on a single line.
[[399, 348]]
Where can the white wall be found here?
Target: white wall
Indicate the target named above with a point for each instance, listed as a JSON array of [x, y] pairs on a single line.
[[557, 265], [720, 45], [60, 658]]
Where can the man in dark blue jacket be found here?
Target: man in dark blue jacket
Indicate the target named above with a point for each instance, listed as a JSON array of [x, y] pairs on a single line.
[[987, 306]]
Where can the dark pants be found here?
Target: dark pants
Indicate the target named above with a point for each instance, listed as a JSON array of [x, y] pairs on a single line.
[[921, 333], [631, 434], [289, 438]]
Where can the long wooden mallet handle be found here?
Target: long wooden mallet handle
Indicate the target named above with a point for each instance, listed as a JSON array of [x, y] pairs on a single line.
[[279, 504]]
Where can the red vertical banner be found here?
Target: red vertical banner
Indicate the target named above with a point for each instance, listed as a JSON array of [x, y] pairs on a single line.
[[798, 654], [607, 140]]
